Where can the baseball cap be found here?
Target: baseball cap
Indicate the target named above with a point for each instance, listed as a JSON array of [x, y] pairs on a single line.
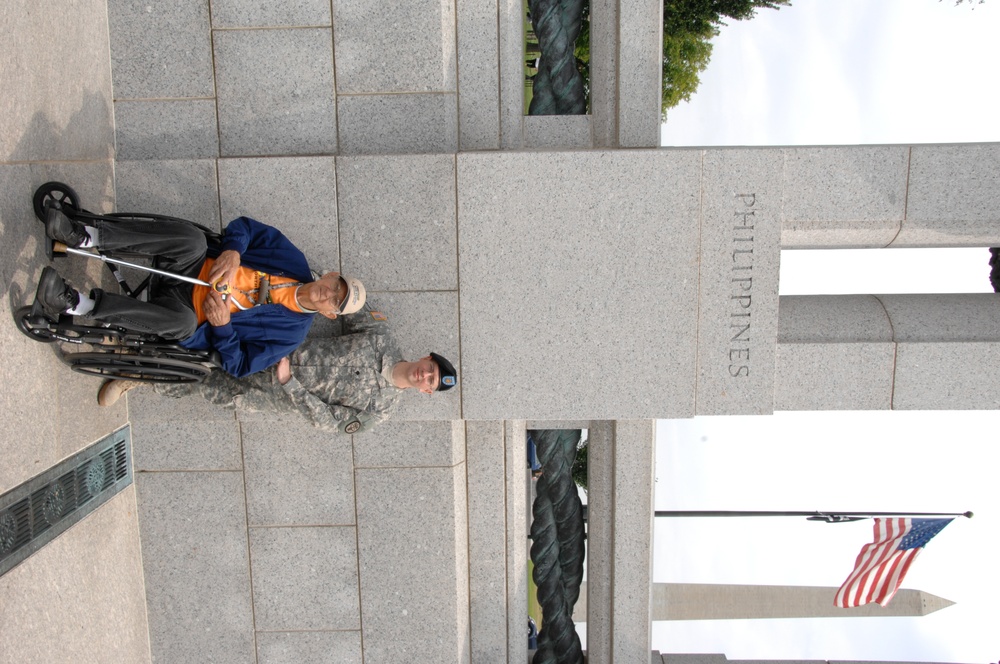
[[356, 295]]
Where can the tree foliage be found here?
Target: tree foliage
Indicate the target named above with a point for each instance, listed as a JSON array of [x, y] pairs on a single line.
[[698, 16], [688, 29], [582, 52], [685, 56]]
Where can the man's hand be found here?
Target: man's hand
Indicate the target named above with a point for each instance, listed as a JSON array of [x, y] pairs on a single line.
[[224, 268], [283, 370], [216, 310]]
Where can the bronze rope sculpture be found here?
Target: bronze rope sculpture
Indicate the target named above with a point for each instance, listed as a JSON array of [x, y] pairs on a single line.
[[558, 86], [557, 547]]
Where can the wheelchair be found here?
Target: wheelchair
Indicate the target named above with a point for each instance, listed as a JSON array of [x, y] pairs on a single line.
[[114, 351]]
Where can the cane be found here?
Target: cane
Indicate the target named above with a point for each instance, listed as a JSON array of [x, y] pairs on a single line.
[[62, 248]]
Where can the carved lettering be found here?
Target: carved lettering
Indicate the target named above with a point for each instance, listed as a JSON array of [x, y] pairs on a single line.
[[739, 371], [741, 330], [745, 282], [741, 297]]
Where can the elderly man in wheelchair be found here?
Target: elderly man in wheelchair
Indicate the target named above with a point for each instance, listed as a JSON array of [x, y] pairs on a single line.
[[247, 296]]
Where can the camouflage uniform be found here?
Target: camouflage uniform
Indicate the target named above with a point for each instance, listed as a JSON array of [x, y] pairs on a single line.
[[341, 384]]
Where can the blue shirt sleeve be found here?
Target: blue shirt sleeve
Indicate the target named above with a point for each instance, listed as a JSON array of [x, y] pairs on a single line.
[[242, 358], [238, 359]]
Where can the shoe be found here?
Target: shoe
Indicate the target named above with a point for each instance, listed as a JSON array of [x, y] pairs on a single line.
[[113, 389], [54, 295], [61, 228]]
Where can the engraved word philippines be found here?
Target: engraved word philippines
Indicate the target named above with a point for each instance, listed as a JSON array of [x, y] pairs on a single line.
[[740, 298]]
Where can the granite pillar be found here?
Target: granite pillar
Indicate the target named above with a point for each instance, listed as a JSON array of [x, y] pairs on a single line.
[[901, 352], [891, 196]]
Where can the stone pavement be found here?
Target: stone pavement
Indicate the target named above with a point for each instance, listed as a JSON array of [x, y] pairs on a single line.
[[82, 594], [253, 540], [390, 144]]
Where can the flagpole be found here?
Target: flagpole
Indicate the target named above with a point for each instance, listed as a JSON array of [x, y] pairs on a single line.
[[829, 517]]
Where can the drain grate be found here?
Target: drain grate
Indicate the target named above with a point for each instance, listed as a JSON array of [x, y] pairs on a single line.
[[34, 513]]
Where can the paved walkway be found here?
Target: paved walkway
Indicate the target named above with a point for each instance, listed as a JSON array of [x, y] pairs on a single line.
[[260, 540], [82, 594]]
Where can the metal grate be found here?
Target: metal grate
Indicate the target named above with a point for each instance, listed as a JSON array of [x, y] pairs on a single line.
[[34, 513]]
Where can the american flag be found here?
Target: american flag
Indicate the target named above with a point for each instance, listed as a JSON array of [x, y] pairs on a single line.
[[881, 565]]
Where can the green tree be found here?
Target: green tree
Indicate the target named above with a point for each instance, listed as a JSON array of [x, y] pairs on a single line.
[[685, 56], [582, 52], [697, 16], [688, 29]]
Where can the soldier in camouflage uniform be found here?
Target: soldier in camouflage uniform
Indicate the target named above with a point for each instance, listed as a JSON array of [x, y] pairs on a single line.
[[348, 383]]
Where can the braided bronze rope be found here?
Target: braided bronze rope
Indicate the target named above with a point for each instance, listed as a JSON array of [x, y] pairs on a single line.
[[558, 86], [557, 548]]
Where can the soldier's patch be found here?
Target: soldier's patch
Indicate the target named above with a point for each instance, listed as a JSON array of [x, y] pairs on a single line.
[[378, 315], [352, 427]]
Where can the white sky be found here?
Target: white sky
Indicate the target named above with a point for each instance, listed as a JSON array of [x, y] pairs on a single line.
[[825, 72]]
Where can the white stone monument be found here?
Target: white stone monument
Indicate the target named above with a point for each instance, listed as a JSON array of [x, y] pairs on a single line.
[[573, 270]]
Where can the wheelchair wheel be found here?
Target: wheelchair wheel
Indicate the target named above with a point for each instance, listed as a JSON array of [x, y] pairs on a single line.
[[65, 329], [54, 193], [37, 330], [140, 368]]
